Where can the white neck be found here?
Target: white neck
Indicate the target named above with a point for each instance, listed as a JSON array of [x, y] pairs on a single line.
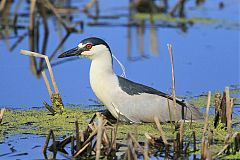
[[101, 65]]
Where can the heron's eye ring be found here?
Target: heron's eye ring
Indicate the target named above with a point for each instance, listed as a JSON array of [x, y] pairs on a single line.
[[88, 46]]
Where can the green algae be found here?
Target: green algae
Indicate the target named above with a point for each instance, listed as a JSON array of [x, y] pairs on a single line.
[[168, 18], [191, 20], [39, 122], [201, 100]]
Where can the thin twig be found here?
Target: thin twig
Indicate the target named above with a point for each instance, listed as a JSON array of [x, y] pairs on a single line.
[[135, 142], [29, 53], [228, 109], [228, 143], [81, 150], [173, 83], [145, 150], [160, 130], [206, 123], [206, 115], [47, 83], [99, 136]]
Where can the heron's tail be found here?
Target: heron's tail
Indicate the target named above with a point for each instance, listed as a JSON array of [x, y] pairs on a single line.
[[191, 112]]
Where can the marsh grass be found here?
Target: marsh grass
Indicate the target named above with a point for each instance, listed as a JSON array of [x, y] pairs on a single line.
[[39, 122]]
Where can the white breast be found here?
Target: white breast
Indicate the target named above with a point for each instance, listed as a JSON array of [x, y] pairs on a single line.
[[104, 83]]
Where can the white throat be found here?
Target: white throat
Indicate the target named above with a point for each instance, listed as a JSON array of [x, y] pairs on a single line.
[[102, 75]]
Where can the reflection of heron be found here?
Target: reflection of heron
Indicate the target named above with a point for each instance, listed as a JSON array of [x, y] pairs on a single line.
[[127, 100]]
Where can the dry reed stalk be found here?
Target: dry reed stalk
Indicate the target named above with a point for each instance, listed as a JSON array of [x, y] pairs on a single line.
[[161, 131], [230, 114], [34, 54], [205, 123], [131, 149], [135, 142], [217, 104], [82, 136], [149, 138], [206, 114], [181, 131], [89, 139], [86, 143], [47, 83], [82, 149], [105, 137], [91, 126], [173, 83], [228, 109], [223, 109], [209, 153], [145, 150], [204, 150], [1, 114], [176, 146], [77, 136], [99, 135], [228, 143]]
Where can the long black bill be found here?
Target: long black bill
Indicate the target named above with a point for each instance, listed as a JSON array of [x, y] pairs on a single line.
[[72, 52]]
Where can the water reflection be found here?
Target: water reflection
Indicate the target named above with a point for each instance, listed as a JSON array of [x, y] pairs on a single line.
[[39, 12], [47, 25], [62, 13]]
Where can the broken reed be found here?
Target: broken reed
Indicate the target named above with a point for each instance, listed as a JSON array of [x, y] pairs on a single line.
[[99, 141], [173, 83], [57, 104]]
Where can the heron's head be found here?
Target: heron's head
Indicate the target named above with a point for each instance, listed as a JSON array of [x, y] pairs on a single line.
[[91, 48]]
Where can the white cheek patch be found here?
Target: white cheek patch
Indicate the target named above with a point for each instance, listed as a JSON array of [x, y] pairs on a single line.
[[81, 45]]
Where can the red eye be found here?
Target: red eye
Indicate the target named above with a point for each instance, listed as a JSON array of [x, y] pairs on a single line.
[[89, 46]]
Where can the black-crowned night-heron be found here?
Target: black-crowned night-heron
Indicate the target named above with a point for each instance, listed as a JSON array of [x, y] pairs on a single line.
[[127, 100]]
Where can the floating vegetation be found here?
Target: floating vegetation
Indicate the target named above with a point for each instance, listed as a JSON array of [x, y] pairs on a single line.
[[168, 18], [170, 140]]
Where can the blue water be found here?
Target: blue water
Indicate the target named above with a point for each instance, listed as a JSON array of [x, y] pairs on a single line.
[[206, 57]]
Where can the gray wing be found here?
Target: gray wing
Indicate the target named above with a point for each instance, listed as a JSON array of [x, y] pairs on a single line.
[[133, 88]]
